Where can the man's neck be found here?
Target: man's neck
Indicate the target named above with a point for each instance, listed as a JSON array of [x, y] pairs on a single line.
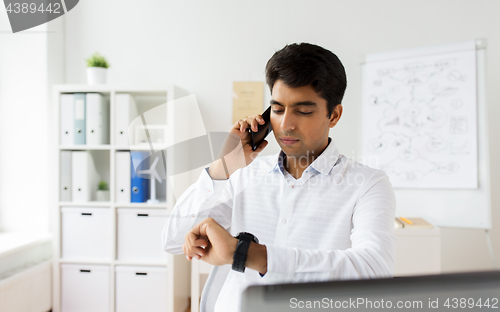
[[297, 165], [293, 166]]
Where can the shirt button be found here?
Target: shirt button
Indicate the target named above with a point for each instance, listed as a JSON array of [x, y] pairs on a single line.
[[283, 220]]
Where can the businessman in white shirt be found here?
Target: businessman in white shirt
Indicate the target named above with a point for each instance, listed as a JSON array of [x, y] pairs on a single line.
[[307, 213]]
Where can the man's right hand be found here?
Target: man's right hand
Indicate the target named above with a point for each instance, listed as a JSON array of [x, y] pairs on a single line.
[[237, 148]]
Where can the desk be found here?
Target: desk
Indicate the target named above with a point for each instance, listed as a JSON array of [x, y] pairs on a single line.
[[418, 251]]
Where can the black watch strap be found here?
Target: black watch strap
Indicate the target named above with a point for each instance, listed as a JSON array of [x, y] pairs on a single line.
[[240, 254]]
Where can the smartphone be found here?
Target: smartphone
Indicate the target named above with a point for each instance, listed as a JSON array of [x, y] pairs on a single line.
[[263, 130]]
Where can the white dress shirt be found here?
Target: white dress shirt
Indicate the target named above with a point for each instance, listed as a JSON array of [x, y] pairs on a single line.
[[335, 222]]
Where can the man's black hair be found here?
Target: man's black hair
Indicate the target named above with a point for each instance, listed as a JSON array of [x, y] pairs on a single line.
[[298, 65]]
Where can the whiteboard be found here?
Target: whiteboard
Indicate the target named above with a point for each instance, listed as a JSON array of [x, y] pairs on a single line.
[[444, 187]]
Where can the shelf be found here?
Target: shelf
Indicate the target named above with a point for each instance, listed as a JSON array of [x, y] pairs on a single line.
[[107, 147], [141, 205], [161, 205], [156, 147], [105, 158], [135, 263], [110, 262], [85, 147], [108, 88], [84, 261], [86, 204]]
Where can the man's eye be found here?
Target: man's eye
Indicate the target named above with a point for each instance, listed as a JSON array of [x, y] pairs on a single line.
[[277, 111], [305, 113]]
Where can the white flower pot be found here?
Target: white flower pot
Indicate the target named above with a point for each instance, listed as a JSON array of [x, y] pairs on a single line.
[[102, 195], [96, 75]]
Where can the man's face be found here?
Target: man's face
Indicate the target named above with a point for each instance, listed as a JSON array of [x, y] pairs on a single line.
[[299, 120]]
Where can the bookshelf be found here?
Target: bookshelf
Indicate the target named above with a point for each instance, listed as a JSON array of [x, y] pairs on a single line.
[[111, 282]]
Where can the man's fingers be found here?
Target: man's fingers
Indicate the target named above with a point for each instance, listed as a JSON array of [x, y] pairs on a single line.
[[255, 125], [260, 119], [191, 236], [194, 252], [243, 125], [184, 250], [251, 122], [200, 242]]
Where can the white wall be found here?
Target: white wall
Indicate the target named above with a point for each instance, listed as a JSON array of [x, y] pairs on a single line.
[[24, 106], [203, 46]]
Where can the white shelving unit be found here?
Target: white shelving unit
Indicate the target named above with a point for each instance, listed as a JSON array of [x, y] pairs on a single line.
[[176, 268]]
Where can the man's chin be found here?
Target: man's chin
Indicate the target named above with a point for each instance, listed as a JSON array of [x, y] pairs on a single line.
[[291, 151]]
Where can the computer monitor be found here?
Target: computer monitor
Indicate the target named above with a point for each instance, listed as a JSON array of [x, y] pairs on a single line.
[[463, 291]]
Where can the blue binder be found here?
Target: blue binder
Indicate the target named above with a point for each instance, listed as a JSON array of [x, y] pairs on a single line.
[[79, 111], [139, 192]]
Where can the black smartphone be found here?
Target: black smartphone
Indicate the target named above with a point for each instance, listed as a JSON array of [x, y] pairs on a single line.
[[263, 130]]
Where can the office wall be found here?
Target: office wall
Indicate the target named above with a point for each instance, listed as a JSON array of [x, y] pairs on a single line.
[[29, 63], [203, 46]]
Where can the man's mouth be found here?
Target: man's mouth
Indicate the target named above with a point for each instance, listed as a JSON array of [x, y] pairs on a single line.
[[288, 140]]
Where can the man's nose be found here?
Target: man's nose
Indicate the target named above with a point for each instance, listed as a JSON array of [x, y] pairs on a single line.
[[287, 121]]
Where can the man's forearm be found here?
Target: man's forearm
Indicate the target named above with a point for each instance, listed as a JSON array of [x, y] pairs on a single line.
[[217, 170], [257, 258]]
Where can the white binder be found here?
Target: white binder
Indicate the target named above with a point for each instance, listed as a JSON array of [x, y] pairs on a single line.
[[126, 111], [67, 120], [65, 176], [97, 119], [84, 178], [123, 167]]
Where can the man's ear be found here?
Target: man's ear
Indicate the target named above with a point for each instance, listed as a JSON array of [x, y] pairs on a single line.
[[337, 113]]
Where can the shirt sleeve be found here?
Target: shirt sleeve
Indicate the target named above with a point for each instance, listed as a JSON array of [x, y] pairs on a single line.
[[372, 250], [205, 198]]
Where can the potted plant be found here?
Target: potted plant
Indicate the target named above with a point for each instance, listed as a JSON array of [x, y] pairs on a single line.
[[102, 191], [97, 68]]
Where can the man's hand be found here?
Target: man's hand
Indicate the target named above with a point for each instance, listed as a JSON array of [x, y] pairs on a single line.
[[237, 148], [210, 242]]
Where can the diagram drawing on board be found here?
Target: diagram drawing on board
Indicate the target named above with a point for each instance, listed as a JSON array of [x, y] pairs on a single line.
[[419, 120]]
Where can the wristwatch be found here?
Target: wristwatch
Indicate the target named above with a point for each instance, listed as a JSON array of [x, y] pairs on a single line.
[[240, 254]]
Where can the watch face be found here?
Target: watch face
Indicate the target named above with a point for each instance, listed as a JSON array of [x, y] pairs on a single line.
[[247, 236]]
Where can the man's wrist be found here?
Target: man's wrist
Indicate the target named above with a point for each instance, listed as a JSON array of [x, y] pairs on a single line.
[[256, 256], [232, 249]]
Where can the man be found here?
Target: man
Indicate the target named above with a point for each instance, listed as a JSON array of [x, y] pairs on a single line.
[[313, 214]]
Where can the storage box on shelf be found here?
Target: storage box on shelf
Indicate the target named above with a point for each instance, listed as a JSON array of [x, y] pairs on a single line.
[[139, 235], [85, 287], [85, 233], [108, 254], [140, 288]]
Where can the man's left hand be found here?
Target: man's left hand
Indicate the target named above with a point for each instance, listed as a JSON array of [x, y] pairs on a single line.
[[210, 242]]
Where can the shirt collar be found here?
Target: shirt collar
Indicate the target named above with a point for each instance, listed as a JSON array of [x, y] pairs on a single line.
[[323, 163]]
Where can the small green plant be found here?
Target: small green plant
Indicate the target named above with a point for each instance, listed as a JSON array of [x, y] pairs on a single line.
[[97, 60], [103, 186]]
